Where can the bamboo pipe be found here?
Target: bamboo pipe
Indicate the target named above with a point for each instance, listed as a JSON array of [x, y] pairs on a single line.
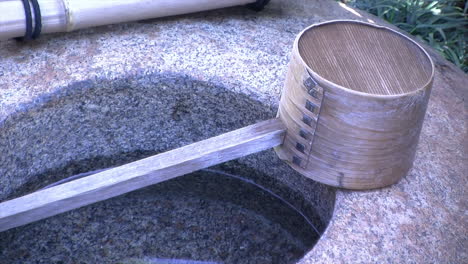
[[360, 137], [69, 15]]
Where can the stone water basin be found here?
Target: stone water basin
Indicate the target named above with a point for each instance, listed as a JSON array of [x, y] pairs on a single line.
[[252, 210], [239, 62]]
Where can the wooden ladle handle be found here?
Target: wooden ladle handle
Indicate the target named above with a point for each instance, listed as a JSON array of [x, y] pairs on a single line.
[[132, 176]]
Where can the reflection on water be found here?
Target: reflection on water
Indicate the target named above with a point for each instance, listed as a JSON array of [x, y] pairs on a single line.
[[205, 217]]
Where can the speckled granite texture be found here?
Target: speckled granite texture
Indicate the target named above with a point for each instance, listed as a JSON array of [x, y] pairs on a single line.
[[229, 60]]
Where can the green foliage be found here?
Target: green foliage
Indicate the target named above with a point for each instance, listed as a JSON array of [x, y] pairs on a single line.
[[443, 24]]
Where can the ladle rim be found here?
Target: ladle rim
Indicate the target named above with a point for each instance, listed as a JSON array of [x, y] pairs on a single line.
[[329, 83]]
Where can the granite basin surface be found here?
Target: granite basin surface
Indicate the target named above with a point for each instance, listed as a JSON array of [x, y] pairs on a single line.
[[100, 97], [238, 212]]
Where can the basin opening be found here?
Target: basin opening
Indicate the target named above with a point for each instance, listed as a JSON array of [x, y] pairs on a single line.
[[365, 58], [254, 210]]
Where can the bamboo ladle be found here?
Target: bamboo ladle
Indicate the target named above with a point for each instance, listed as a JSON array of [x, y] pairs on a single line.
[[350, 116]]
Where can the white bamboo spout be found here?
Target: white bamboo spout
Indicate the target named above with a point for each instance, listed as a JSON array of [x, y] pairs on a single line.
[[68, 15]]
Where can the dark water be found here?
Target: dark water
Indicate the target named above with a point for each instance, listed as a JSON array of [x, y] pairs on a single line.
[[205, 216], [208, 216]]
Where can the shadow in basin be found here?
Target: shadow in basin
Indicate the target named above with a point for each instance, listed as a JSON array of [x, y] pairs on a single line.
[[252, 210]]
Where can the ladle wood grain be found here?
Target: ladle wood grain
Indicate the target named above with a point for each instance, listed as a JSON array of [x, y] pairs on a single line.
[[142, 173]]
